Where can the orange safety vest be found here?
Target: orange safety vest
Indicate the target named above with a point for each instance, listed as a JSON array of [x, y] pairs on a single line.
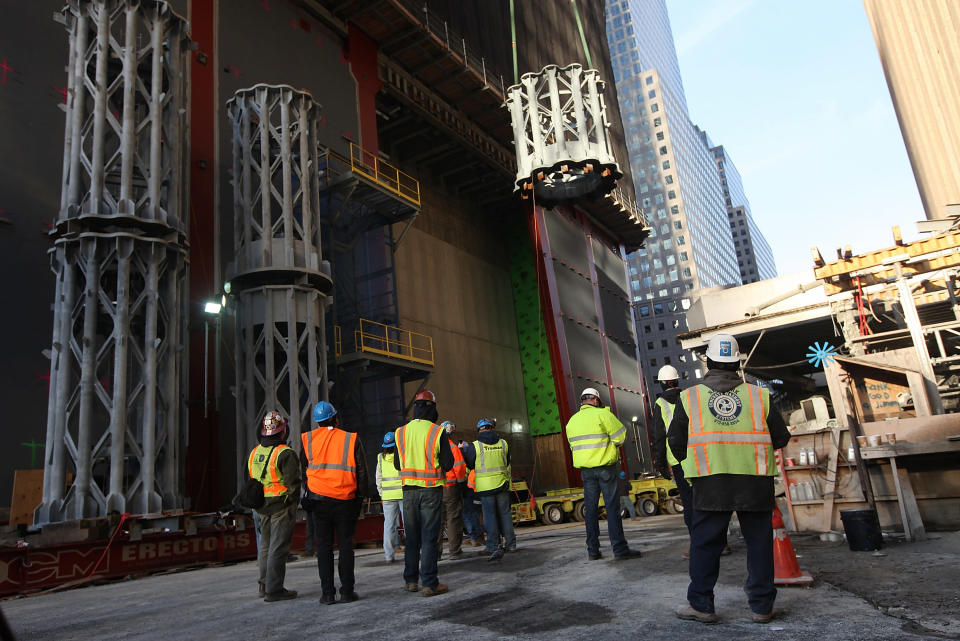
[[331, 463], [457, 473], [274, 485], [418, 444], [472, 480]]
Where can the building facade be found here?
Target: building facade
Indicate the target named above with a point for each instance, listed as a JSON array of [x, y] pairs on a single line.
[[920, 54], [754, 257], [676, 182]]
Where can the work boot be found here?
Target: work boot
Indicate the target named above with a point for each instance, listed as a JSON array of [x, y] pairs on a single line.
[[594, 556], [763, 618], [348, 596], [689, 614], [282, 595], [412, 587], [440, 589], [328, 599], [629, 554], [496, 556], [481, 540], [455, 555]]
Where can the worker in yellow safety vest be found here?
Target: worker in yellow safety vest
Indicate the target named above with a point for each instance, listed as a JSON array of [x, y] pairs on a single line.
[[454, 484], [663, 410], [724, 433], [336, 474], [424, 458], [391, 495], [275, 464], [595, 436], [489, 458]]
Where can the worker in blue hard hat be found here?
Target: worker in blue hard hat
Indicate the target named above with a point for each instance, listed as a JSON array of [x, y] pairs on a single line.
[[336, 473], [391, 495], [489, 457]]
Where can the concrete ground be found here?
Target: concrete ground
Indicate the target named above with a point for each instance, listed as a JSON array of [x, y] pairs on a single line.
[[547, 590]]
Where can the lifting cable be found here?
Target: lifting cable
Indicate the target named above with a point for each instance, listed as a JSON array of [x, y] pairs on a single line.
[[583, 38], [513, 42]]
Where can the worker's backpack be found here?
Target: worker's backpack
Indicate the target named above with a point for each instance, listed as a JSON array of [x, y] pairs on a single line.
[[251, 494]]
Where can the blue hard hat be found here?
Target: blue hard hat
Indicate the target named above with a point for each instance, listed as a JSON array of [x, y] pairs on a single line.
[[389, 440], [323, 411], [485, 422]]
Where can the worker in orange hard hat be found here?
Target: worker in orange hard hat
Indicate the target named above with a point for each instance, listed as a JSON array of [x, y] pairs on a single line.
[[724, 433], [275, 464], [423, 460]]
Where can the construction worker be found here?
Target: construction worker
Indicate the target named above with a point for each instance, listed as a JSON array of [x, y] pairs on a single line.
[[391, 495], [278, 515], [724, 433], [625, 502], [336, 473], [471, 521], [663, 410], [489, 457], [452, 510], [423, 460], [595, 436]]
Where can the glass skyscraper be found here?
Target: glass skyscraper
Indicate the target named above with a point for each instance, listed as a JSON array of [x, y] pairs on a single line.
[[677, 184]]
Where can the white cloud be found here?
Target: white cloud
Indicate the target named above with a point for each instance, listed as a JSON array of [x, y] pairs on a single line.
[[711, 20]]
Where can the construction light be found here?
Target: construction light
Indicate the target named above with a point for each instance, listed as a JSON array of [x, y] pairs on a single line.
[[212, 307]]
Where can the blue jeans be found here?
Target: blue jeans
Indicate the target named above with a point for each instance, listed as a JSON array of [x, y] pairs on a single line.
[[708, 536], [625, 502], [421, 523], [497, 519], [391, 528], [597, 480], [471, 522]]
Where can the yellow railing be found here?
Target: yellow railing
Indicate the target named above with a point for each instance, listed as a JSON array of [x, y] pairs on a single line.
[[368, 166], [337, 342], [394, 342]]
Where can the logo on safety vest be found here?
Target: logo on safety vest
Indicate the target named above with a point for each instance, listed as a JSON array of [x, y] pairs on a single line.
[[725, 406]]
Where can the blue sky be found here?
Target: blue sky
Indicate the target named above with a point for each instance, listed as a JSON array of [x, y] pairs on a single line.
[[796, 94]]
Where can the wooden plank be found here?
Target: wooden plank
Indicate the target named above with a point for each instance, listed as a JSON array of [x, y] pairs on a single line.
[[913, 523], [910, 449], [27, 495], [830, 488]]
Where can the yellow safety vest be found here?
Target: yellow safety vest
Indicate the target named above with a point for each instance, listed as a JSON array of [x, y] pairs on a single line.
[[666, 412], [728, 432], [273, 484], [595, 435], [389, 478], [418, 444], [491, 465]]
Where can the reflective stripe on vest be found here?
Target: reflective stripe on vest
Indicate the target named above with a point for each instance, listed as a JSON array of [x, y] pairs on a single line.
[[590, 445], [331, 462], [389, 478], [457, 473], [418, 444], [666, 413], [491, 465], [273, 485], [728, 432]]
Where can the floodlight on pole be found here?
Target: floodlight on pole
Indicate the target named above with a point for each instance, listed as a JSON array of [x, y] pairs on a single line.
[[212, 307]]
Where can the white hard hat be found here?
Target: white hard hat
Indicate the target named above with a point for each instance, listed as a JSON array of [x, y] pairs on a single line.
[[589, 392], [723, 348], [668, 373]]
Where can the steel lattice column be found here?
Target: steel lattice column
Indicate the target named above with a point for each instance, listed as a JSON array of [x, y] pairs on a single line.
[[280, 282], [117, 415]]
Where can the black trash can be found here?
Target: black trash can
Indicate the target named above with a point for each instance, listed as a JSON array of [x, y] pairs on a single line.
[[862, 528]]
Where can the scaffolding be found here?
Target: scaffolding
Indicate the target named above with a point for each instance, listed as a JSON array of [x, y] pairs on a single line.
[[116, 413]]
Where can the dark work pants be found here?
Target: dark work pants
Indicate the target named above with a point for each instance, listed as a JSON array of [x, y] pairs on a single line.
[[597, 480], [686, 493], [421, 526], [708, 536], [334, 517]]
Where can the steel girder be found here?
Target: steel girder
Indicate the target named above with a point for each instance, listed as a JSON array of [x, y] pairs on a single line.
[[116, 411]]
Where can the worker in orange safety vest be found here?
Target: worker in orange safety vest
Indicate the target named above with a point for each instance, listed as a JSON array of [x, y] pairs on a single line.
[[453, 489]]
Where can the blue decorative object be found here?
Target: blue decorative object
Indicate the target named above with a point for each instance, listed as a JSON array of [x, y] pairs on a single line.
[[821, 355]]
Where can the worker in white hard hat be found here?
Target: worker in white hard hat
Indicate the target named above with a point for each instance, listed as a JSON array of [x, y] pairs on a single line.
[[663, 408], [724, 433], [595, 436]]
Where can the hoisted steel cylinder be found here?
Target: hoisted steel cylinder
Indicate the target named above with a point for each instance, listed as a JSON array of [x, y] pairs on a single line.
[[561, 135]]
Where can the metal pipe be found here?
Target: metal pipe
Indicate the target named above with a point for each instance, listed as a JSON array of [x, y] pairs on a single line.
[[118, 412], [156, 143], [88, 379], [148, 427], [206, 362], [95, 204], [127, 139]]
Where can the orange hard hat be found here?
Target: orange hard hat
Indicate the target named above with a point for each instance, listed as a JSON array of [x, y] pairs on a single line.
[[426, 395]]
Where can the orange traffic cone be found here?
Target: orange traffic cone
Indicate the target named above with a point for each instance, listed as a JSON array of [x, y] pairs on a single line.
[[786, 569]]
